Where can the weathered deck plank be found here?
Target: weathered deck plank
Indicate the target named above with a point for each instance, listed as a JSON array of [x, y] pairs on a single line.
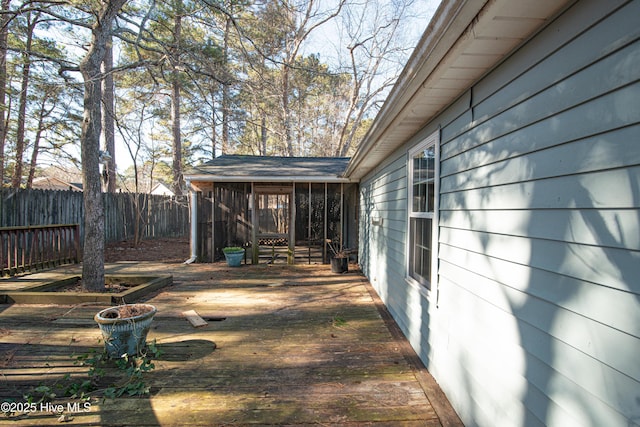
[[283, 346]]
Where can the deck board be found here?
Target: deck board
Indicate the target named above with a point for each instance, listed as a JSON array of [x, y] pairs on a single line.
[[283, 345]]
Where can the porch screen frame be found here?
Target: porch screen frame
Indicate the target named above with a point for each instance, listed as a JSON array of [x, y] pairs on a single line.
[[259, 189]]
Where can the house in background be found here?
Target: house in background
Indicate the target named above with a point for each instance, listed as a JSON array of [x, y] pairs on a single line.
[[52, 183], [499, 209], [161, 189]]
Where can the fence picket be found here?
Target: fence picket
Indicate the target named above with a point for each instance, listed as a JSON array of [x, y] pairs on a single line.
[[163, 216]]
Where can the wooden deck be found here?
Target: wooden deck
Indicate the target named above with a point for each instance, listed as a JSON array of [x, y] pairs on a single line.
[[284, 345]]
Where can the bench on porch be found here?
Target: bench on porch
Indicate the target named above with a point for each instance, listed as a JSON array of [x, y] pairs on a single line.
[[273, 239]]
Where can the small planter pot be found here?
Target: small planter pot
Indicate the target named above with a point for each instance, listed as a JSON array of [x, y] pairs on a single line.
[[234, 258], [125, 327], [339, 265]]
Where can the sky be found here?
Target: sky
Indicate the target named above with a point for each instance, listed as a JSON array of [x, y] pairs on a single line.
[[325, 42]]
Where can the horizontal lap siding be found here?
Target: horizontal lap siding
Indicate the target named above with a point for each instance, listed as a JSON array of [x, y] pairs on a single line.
[[383, 247], [384, 198], [383, 194], [540, 231]]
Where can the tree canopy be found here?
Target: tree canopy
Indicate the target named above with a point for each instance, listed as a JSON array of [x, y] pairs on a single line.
[[176, 82], [197, 78]]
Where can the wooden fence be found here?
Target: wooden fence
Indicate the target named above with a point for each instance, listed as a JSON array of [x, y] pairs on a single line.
[[28, 249], [160, 216]]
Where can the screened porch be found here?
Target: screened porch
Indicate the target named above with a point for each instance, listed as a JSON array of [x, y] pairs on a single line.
[[281, 210]]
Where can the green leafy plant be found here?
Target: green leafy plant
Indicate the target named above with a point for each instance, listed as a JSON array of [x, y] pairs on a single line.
[[232, 249], [338, 321], [130, 381], [134, 368]]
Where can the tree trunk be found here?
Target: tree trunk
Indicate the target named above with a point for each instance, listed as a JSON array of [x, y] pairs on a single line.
[[175, 130], [225, 89], [263, 135], [214, 139], [36, 141], [4, 30], [286, 114], [34, 157], [108, 127], [93, 253], [22, 103], [175, 108]]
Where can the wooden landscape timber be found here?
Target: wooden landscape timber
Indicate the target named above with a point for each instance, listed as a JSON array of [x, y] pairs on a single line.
[[48, 288]]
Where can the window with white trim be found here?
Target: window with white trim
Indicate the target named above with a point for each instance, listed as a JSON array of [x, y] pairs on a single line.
[[423, 173]]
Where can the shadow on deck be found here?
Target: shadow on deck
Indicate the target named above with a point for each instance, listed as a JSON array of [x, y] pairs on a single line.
[[284, 345]]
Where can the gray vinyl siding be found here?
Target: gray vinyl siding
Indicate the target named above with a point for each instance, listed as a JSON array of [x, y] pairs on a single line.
[[536, 319], [385, 198]]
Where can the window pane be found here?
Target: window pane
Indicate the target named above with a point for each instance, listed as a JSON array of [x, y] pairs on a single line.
[[420, 250], [419, 186], [422, 206], [431, 157], [423, 181]]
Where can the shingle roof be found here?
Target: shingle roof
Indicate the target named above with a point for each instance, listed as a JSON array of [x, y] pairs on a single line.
[[269, 168]]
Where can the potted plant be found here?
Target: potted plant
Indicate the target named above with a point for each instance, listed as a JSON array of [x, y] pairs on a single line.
[[125, 327], [234, 255], [339, 259]]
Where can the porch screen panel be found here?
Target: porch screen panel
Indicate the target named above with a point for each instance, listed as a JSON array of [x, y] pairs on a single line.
[[317, 213], [303, 234], [334, 214], [232, 217], [273, 213]]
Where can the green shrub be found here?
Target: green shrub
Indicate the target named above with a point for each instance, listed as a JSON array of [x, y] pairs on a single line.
[[232, 249]]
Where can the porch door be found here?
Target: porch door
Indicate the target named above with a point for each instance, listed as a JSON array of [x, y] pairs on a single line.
[[272, 240]]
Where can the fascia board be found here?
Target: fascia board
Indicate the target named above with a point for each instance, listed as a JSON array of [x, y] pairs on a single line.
[[244, 178]]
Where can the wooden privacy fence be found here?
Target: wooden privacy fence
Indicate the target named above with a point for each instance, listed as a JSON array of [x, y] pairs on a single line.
[[159, 216], [28, 249]]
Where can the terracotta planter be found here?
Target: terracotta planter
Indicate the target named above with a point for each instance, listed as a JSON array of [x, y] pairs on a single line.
[[125, 327]]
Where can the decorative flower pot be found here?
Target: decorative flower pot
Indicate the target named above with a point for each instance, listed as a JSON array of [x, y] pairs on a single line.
[[339, 265], [234, 257], [125, 327]]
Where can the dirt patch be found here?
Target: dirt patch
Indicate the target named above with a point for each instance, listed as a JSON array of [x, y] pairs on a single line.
[[112, 288], [167, 250]]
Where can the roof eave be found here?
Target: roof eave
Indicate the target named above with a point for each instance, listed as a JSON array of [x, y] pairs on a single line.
[[262, 179], [434, 78]]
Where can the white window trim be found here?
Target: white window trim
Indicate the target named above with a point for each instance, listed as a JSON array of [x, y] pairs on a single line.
[[432, 139]]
